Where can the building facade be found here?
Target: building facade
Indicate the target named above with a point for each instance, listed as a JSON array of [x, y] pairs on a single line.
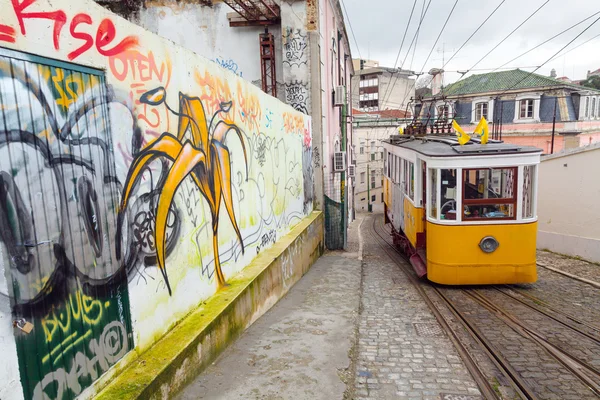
[[370, 128], [379, 88], [296, 51], [520, 107]]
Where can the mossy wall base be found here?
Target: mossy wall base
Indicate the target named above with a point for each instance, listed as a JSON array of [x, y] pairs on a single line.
[[192, 345]]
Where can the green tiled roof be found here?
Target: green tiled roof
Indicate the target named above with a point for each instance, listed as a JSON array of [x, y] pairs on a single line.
[[505, 80]]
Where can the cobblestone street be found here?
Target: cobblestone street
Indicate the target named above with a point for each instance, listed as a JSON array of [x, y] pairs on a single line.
[[402, 351]]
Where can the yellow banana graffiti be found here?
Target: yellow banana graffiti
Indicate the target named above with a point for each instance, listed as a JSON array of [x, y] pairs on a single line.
[[204, 158]]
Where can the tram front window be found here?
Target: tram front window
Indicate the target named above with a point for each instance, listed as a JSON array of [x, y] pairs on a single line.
[[489, 193]]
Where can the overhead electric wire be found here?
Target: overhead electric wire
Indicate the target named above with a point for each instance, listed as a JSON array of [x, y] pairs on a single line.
[[576, 47], [548, 60], [473, 34], [351, 29], [404, 37], [423, 14], [507, 36], [547, 40]]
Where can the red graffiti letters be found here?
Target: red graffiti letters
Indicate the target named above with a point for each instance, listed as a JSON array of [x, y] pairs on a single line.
[[106, 32], [7, 33], [59, 18], [89, 42]]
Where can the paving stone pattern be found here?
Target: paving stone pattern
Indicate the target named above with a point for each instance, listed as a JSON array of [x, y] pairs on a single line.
[[548, 378], [402, 352], [573, 266]]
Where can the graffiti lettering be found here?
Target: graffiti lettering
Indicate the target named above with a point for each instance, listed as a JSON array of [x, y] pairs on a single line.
[[294, 46], [266, 240], [78, 307], [296, 95], [229, 65], [111, 346], [106, 32]]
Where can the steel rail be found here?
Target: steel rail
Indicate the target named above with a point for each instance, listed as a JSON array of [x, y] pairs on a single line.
[[549, 315], [580, 369], [484, 385]]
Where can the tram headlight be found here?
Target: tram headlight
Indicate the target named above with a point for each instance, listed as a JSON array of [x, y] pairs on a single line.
[[488, 244]]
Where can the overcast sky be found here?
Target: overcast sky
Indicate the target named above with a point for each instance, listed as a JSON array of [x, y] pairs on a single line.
[[380, 24]]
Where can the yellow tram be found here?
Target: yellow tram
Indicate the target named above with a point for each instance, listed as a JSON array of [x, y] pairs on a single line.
[[465, 213]]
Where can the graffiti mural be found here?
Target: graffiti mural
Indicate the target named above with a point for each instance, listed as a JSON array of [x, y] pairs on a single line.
[[58, 201], [130, 192], [205, 158]]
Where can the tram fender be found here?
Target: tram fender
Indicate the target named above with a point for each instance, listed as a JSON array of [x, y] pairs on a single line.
[[418, 265]]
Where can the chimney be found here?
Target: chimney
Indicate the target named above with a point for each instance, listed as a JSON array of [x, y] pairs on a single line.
[[553, 73], [436, 82]]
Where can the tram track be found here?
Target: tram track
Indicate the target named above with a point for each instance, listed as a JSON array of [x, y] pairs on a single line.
[[486, 388], [583, 371]]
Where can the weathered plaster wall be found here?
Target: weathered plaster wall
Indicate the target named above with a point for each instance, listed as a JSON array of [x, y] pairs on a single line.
[[569, 221], [206, 31], [137, 178]]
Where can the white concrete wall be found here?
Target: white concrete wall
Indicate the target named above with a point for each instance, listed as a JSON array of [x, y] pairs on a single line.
[[206, 31], [160, 102], [569, 192]]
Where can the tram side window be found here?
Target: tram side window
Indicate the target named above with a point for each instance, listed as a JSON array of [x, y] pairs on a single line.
[[489, 193], [411, 180], [405, 177], [433, 186], [528, 185], [448, 194]]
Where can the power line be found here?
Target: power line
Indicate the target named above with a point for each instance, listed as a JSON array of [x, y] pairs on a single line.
[[351, 30], [546, 41], [548, 60], [403, 38], [576, 47], [507, 36], [407, 53], [473, 34]]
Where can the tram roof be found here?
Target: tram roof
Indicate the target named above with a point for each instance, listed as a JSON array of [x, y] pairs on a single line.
[[448, 146]]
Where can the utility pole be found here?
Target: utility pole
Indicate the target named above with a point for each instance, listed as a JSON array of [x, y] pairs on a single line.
[[553, 126], [368, 189]]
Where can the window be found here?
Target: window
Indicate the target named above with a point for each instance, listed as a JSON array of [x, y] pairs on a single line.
[[594, 107], [528, 185], [372, 147], [433, 189], [489, 193], [389, 165], [381, 155], [374, 198], [372, 179], [448, 194], [362, 150], [382, 197], [526, 108], [372, 156], [481, 111], [587, 107], [362, 177], [409, 179]]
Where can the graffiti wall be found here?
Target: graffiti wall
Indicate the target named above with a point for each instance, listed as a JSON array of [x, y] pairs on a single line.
[[136, 179]]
